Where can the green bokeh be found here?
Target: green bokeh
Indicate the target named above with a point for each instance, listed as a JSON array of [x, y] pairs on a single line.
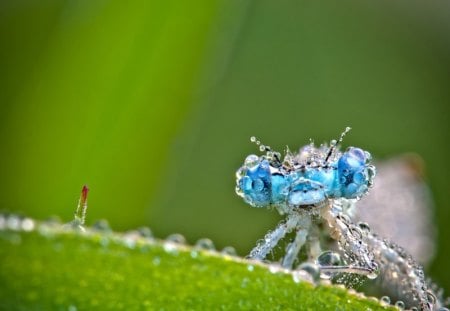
[[152, 103]]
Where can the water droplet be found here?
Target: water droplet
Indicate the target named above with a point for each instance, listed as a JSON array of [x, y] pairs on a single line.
[[262, 148], [364, 226], [329, 258], [176, 238], [312, 269], [194, 254], [170, 247], [400, 305], [145, 232], [206, 244], [72, 308], [250, 268], [229, 250], [430, 296], [13, 222], [273, 268], [27, 224], [244, 282], [333, 142], [375, 271], [102, 225], [253, 139], [251, 161], [129, 240], [385, 300], [156, 261]]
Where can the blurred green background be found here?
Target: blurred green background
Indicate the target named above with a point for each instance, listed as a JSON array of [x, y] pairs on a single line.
[[152, 103]]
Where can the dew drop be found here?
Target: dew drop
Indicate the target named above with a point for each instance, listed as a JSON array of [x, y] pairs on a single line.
[[176, 238], [194, 254], [262, 148], [145, 232], [229, 250], [206, 244], [364, 226], [129, 240], [156, 261], [253, 139], [273, 268], [400, 305], [244, 282], [102, 225], [375, 271], [28, 224], [329, 258], [312, 269], [251, 161], [385, 300], [13, 223]]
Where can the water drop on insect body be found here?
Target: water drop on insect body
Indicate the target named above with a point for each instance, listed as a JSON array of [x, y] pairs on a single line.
[[364, 227], [312, 269], [385, 300], [400, 305], [251, 161]]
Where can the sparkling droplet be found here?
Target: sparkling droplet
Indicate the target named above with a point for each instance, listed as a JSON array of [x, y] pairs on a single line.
[[205, 244], [253, 139], [364, 226], [329, 258], [251, 161], [375, 271], [176, 238], [102, 225], [229, 250], [194, 254], [145, 232], [156, 261], [13, 222], [385, 300], [28, 224], [400, 305], [312, 269]]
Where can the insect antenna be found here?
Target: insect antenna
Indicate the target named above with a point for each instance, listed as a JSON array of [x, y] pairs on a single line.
[[334, 143], [265, 148]]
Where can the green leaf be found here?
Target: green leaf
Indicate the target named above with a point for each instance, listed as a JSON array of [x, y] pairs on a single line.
[[46, 266]]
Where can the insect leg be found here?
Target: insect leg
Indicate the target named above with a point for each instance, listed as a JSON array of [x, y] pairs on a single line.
[[296, 245], [271, 239]]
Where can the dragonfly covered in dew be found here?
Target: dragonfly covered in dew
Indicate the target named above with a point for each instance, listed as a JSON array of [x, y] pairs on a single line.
[[317, 189]]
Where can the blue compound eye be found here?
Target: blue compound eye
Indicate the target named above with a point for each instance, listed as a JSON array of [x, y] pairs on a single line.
[[254, 181], [355, 175]]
